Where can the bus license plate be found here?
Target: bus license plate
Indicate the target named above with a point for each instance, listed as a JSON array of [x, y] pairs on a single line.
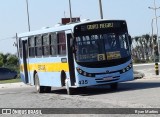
[[108, 78]]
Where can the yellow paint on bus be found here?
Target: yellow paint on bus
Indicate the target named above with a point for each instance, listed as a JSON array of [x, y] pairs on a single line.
[[46, 67]]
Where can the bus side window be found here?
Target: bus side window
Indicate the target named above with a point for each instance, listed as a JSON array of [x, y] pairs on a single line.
[[23, 42], [61, 43], [46, 47], [53, 46], [20, 48], [38, 46], [31, 46]]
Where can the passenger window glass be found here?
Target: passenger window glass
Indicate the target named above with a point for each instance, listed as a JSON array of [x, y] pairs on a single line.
[[31, 46], [53, 37], [38, 46], [46, 46], [20, 48], [61, 43]]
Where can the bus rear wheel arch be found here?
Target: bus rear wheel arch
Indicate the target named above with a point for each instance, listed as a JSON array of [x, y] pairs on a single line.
[[63, 78], [39, 88]]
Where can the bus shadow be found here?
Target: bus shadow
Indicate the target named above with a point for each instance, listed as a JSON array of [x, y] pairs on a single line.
[[105, 89]]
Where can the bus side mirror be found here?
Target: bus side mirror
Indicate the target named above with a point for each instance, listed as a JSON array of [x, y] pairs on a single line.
[[130, 39]]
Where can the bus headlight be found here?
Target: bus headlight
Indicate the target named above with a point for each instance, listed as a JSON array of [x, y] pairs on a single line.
[[89, 75], [123, 70], [79, 70], [84, 73], [130, 65]]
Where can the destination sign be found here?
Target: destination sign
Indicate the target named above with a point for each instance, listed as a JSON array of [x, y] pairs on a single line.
[[101, 26]]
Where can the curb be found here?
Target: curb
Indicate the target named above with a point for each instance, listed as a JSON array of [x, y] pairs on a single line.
[[12, 85]]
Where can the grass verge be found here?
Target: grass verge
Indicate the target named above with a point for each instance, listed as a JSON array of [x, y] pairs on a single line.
[[10, 81]]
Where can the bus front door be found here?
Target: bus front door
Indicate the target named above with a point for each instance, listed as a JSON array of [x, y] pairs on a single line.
[[71, 60], [25, 56]]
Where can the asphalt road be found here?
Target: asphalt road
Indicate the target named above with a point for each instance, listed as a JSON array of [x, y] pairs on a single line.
[[137, 93], [140, 93]]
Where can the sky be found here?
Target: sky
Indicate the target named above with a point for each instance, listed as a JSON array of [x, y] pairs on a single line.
[[47, 13]]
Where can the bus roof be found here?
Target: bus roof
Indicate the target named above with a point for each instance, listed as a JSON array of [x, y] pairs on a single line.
[[59, 28]]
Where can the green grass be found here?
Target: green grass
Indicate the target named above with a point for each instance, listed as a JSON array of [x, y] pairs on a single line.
[[10, 81]]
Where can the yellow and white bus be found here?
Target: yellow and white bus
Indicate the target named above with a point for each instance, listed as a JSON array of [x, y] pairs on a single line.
[[76, 55]]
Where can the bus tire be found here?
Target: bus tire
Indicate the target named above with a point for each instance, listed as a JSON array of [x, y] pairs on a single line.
[[39, 89], [70, 91], [82, 89], [63, 78], [114, 86], [47, 89]]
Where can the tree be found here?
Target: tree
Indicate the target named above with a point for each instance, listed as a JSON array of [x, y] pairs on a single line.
[[8, 59], [1, 61], [4, 56], [12, 60], [144, 47]]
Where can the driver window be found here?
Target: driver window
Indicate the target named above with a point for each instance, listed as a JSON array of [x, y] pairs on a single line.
[[108, 41]]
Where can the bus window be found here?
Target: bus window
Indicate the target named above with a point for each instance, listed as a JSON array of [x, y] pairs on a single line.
[[46, 48], [53, 38], [32, 46], [20, 48], [61, 43], [38, 46]]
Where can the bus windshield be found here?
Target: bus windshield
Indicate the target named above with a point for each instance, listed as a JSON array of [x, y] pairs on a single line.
[[101, 46]]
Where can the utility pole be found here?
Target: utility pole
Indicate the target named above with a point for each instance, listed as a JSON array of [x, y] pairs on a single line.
[[70, 11], [100, 7], [156, 46], [28, 16]]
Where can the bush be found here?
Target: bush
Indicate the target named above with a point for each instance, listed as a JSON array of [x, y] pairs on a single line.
[[1, 63], [136, 60]]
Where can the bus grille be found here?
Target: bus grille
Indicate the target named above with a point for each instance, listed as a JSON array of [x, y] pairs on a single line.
[[105, 80]]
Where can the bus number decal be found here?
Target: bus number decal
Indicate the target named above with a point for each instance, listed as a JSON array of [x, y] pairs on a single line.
[[83, 82], [101, 57], [41, 67]]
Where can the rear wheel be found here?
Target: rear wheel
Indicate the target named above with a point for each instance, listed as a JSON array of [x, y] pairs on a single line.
[[63, 77], [41, 89], [114, 86], [47, 89]]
